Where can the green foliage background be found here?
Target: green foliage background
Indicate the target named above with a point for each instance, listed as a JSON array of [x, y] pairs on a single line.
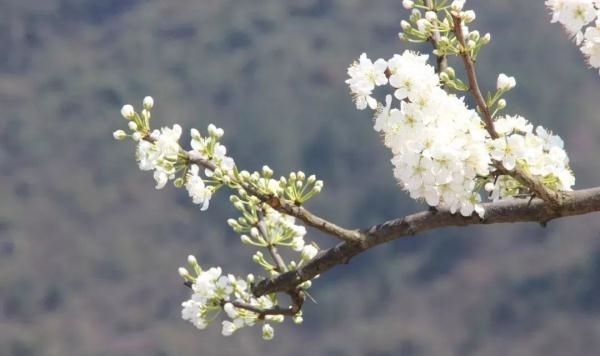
[[89, 251]]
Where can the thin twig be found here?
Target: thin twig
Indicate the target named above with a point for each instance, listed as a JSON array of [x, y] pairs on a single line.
[[280, 265], [276, 310], [472, 76], [289, 208], [441, 61]]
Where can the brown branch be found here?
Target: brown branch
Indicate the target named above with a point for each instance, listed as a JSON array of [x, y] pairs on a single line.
[[276, 310], [505, 211], [472, 76], [287, 207]]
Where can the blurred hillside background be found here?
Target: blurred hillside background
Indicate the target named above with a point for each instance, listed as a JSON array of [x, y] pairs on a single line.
[[89, 250]]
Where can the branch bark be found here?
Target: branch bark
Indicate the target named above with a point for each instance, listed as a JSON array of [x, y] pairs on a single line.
[[505, 211]]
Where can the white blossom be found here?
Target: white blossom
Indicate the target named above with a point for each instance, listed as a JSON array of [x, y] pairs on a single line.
[[196, 188], [505, 82], [364, 77]]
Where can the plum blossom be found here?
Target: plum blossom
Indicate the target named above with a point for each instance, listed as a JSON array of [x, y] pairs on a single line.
[[364, 77]]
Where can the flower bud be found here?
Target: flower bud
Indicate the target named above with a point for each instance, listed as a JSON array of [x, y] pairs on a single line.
[[431, 15], [457, 5], [408, 4], [183, 272], [468, 16], [148, 103], [305, 285], [501, 104], [318, 186], [230, 310], [444, 41], [266, 171], [278, 318], [267, 332], [136, 136], [119, 135], [128, 112], [423, 25], [132, 125], [474, 35], [486, 38], [246, 240], [239, 205], [405, 25], [212, 129], [308, 252], [298, 319], [192, 260]]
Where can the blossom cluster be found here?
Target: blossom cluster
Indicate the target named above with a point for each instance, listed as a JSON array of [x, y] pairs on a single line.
[[442, 153], [160, 151], [541, 153], [214, 292], [202, 170], [581, 19], [437, 142], [275, 229]]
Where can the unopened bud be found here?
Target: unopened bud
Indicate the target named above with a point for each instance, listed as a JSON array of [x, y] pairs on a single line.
[[468, 16], [501, 104], [119, 135], [267, 172], [457, 5], [148, 103], [184, 274], [246, 240], [128, 112], [191, 259], [486, 38], [408, 4], [267, 332], [431, 15]]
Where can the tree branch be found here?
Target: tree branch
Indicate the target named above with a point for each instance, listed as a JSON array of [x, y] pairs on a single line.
[[482, 107], [505, 211], [286, 207]]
